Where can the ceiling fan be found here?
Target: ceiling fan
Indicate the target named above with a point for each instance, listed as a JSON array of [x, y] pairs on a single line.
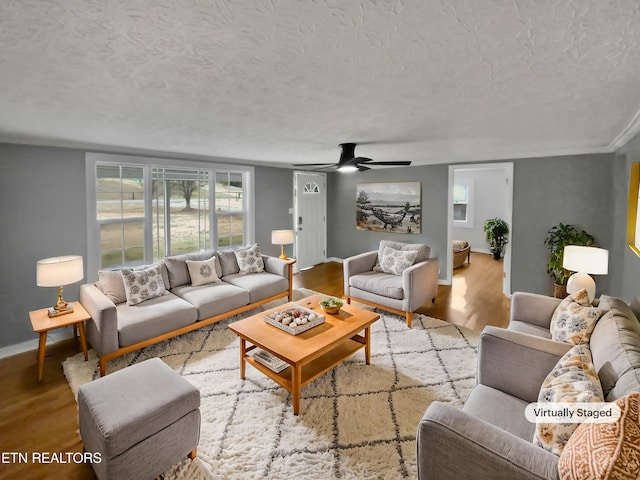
[[349, 162]]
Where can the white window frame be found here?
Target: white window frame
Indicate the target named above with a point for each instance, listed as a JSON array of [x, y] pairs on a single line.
[[468, 223], [93, 226]]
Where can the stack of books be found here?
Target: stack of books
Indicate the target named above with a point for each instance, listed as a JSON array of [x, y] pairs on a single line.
[[270, 361]]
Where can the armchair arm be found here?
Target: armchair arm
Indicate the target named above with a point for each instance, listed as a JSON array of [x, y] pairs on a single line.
[[102, 329], [453, 445], [361, 263], [420, 283], [533, 308], [516, 363]]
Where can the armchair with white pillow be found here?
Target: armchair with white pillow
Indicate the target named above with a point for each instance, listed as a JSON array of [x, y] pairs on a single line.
[[398, 277]]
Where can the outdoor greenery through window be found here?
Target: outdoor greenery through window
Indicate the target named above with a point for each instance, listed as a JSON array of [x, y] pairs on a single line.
[[145, 213]]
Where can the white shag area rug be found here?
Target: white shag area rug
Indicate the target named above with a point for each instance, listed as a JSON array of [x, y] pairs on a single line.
[[357, 421]]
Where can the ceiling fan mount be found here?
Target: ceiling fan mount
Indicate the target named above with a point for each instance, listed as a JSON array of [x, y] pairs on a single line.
[[349, 162]]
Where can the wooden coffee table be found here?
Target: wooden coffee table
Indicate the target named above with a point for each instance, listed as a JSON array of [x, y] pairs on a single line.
[[310, 353]]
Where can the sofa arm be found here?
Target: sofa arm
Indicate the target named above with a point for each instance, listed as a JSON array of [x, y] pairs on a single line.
[[453, 445], [516, 363], [102, 329], [533, 308], [364, 262], [277, 266], [420, 283]]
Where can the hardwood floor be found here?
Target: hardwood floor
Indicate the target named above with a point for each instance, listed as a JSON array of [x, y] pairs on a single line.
[[42, 416]]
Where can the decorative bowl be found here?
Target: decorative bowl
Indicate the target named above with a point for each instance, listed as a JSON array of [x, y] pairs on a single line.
[[331, 306]]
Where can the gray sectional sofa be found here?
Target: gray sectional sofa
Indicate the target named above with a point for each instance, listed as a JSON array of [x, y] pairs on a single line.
[[490, 437], [117, 328]]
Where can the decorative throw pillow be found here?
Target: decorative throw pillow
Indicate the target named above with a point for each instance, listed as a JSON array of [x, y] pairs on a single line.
[[573, 379], [605, 451], [203, 272], [423, 251], [112, 285], [574, 319], [250, 259], [396, 261], [141, 285]]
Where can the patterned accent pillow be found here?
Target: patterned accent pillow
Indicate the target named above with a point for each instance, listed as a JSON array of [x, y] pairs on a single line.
[[141, 285], [574, 319], [396, 261], [250, 259], [573, 379], [202, 273], [605, 450]]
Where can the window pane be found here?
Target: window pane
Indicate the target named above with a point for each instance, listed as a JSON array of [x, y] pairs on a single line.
[[134, 256], [108, 178], [108, 206], [158, 220], [111, 237], [133, 234], [460, 212], [230, 230], [460, 193], [111, 259]]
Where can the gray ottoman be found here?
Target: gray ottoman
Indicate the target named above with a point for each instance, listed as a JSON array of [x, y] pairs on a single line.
[[142, 420]]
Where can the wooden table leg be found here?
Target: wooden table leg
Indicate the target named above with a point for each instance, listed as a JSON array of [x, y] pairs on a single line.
[[367, 345], [296, 380], [243, 353], [83, 341], [42, 345]]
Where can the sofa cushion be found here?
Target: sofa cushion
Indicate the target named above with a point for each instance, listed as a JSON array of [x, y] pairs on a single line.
[[423, 250], [615, 345], [574, 319], [177, 269], [228, 263], [396, 261], [605, 450], [213, 299], [249, 259], [203, 272], [152, 318], [573, 379], [112, 285], [383, 284], [143, 285], [259, 285]]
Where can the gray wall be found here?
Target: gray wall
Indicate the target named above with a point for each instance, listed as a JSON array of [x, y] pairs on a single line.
[[42, 213], [626, 262], [547, 191]]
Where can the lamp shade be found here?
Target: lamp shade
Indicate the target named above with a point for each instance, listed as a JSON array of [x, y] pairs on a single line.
[[59, 271], [282, 237], [592, 260]]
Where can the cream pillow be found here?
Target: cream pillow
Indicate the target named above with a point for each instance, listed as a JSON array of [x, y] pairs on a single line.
[[112, 285], [573, 379], [574, 319], [202, 273], [141, 285], [605, 451], [249, 259], [396, 261]]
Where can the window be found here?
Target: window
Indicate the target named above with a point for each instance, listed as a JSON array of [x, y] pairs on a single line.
[[463, 203], [311, 188], [139, 214]]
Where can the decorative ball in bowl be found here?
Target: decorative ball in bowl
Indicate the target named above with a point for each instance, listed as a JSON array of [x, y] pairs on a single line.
[[331, 305]]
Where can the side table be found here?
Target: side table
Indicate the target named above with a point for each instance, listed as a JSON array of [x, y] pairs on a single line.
[[42, 323]]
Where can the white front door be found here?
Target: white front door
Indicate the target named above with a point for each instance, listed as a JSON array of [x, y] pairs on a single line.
[[310, 210]]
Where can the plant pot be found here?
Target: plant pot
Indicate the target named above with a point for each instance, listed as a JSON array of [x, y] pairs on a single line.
[[496, 255], [559, 291]]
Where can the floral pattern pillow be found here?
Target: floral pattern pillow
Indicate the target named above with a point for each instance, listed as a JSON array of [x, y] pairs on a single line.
[[202, 273], [142, 285], [573, 379], [574, 319], [249, 259], [396, 261]]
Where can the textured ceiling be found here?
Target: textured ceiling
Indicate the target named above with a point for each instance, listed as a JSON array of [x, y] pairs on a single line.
[[285, 81]]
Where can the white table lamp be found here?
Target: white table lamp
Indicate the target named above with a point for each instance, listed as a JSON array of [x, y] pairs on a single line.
[[282, 238], [58, 272], [585, 261]]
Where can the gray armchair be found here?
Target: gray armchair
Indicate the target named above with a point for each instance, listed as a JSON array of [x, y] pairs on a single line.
[[401, 294]]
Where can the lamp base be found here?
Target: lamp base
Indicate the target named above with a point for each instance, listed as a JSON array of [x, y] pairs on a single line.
[[581, 280], [54, 312], [282, 255]]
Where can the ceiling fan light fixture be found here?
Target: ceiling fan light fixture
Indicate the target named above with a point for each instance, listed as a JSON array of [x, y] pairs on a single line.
[[347, 168]]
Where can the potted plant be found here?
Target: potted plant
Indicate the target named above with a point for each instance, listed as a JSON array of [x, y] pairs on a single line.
[[557, 238], [496, 231]]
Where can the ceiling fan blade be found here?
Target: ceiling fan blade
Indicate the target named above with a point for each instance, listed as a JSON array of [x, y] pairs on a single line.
[[362, 168], [314, 164], [399, 162], [362, 160]]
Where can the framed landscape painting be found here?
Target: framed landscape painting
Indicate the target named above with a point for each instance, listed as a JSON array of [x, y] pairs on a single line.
[[389, 207]]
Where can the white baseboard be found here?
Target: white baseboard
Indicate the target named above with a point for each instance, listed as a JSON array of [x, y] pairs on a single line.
[[52, 337], [335, 259]]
